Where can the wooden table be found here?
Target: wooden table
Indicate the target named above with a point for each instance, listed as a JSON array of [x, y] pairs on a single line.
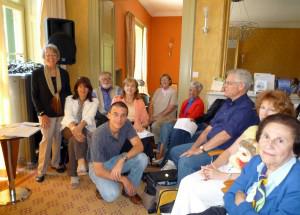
[[10, 149]]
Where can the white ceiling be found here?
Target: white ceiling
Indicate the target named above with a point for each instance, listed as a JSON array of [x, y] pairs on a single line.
[[267, 13], [163, 7]]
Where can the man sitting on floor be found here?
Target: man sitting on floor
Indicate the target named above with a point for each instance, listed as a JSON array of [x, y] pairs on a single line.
[[235, 115], [107, 165]]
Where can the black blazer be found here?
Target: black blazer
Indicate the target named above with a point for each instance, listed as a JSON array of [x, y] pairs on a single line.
[[41, 95]]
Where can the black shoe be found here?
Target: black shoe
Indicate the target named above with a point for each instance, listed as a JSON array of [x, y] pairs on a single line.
[[98, 195], [40, 178], [60, 169]]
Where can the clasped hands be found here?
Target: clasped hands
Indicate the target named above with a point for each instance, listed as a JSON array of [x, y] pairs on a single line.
[[77, 133]]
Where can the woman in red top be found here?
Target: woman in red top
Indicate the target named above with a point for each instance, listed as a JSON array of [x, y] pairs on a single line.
[[192, 108]]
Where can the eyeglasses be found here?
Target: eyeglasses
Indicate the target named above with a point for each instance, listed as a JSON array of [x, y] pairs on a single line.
[[230, 83], [279, 141]]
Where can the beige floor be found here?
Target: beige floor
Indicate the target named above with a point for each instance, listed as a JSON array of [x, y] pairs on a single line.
[[55, 197]]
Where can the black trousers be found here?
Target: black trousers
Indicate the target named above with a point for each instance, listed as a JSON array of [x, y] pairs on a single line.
[[147, 143], [216, 210]]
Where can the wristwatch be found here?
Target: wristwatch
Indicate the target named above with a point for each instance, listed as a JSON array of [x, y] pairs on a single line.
[[124, 156], [202, 148], [41, 113]]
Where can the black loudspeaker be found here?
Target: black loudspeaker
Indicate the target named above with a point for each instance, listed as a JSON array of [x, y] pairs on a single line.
[[61, 32]]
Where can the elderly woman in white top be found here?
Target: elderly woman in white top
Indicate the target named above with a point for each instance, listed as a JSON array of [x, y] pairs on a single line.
[[78, 122], [163, 105]]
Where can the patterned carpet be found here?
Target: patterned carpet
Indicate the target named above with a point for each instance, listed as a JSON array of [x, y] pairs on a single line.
[[55, 197]]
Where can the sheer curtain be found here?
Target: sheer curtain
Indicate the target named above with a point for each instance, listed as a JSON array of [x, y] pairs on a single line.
[[4, 98], [141, 74], [51, 9], [130, 43]]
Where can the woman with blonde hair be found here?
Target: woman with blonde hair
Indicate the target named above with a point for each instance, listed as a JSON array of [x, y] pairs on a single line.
[[137, 112]]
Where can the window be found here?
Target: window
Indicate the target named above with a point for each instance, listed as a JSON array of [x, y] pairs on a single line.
[[14, 31], [140, 71]]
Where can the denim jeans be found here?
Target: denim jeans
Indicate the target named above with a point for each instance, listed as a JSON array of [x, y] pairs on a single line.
[[187, 165], [165, 133], [110, 190]]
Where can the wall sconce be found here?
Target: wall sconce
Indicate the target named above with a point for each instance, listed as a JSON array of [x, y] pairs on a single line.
[[243, 58], [170, 46], [205, 27]]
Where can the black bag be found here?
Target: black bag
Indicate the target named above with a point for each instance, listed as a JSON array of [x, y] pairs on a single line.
[[162, 178], [154, 181], [167, 208]]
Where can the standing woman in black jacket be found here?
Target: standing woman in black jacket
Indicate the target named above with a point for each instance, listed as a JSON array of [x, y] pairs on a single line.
[[49, 88]]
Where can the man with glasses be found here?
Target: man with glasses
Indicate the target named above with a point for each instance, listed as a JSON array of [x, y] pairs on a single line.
[[236, 114], [107, 166]]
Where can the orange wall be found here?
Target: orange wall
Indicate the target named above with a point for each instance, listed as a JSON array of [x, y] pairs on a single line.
[[272, 50], [121, 8], [164, 29]]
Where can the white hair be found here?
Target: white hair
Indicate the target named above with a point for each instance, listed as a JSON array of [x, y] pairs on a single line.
[[244, 76]]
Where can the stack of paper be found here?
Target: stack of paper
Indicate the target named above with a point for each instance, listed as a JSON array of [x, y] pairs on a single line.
[[24, 129]]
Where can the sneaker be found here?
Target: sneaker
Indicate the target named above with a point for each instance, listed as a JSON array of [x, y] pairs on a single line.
[[81, 170], [157, 161], [74, 182], [169, 165]]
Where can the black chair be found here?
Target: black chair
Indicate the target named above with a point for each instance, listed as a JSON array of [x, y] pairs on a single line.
[[146, 99]]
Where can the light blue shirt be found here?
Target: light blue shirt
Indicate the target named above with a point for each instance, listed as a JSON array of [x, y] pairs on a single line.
[[274, 179]]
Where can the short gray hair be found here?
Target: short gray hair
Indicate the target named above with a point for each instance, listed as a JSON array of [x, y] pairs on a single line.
[[53, 48], [197, 85], [105, 73], [244, 76]]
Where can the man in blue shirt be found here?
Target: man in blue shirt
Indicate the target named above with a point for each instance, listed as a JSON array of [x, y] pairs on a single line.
[[236, 114], [107, 165]]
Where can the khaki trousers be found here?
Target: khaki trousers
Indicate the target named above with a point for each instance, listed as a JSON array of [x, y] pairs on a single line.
[[51, 140]]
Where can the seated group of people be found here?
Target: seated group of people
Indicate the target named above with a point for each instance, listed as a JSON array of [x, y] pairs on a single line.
[[261, 159]]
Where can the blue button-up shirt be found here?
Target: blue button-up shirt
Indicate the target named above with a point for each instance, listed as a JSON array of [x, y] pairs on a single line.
[[233, 117]]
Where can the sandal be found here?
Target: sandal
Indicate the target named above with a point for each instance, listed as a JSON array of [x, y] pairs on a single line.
[[74, 182], [81, 170]]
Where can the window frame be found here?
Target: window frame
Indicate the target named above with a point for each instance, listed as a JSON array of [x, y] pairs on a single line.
[[21, 8]]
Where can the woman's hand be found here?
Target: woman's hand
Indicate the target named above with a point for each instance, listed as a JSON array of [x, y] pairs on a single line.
[[239, 197], [138, 127], [77, 133], [209, 172], [45, 122]]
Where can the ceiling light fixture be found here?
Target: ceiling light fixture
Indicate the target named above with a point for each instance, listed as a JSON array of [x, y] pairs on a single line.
[[241, 30]]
